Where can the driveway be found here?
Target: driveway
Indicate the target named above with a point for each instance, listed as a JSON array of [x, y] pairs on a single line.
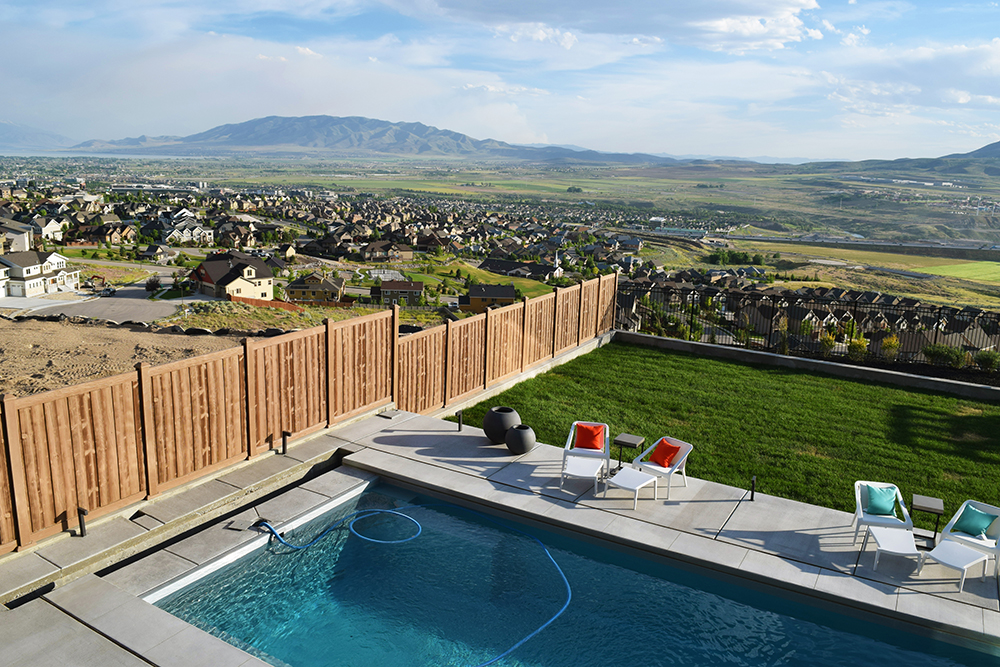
[[129, 303]]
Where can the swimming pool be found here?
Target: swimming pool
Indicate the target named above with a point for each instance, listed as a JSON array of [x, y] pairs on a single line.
[[467, 588]]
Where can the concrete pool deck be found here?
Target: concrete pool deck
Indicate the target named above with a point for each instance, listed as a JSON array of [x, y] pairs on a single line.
[[770, 542]]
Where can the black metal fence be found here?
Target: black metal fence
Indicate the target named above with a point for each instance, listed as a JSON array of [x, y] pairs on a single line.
[[876, 326]]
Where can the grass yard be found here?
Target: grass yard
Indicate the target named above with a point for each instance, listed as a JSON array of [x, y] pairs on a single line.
[[806, 437]]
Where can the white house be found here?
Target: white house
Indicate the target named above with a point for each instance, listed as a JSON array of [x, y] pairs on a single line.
[[36, 273]]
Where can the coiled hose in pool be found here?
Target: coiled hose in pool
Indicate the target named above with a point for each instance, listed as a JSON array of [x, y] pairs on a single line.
[[354, 517]]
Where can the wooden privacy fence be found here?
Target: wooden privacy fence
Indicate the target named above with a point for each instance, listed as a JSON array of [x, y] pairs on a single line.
[[102, 445]]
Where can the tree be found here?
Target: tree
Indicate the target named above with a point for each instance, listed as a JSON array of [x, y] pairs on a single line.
[[153, 284]]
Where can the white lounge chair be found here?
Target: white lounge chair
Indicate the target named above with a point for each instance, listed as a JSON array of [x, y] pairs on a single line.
[[677, 464], [862, 517], [586, 462], [985, 544]]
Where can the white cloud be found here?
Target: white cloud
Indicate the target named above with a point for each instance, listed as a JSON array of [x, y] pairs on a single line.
[[814, 34], [537, 32], [305, 51]]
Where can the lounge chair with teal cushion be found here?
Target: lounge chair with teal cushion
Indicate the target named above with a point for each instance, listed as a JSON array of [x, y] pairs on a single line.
[[879, 504], [975, 526]]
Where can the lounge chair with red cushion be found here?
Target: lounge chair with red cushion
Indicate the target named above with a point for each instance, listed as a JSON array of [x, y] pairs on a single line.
[[666, 456], [587, 453]]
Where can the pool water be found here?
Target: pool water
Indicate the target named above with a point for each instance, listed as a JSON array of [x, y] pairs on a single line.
[[468, 588]]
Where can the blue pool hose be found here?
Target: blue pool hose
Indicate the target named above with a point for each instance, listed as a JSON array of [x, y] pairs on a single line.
[[354, 517]]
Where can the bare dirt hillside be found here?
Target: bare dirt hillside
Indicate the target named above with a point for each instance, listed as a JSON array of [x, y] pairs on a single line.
[[37, 356]]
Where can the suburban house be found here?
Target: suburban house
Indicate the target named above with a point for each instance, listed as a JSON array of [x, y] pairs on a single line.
[[403, 292], [483, 297], [4, 279], [387, 250], [16, 236], [47, 228], [234, 274], [36, 273], [156, 252], [315, 287]]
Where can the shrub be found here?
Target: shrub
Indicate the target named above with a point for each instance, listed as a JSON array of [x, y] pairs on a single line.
[[945, 355], [857, 349], [153, 284], [826, 343], [988, 360], [890, 346]]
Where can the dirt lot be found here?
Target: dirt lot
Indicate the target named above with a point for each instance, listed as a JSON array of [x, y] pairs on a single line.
[[37, 356]]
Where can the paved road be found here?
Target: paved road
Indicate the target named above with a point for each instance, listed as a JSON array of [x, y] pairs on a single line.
[[130, 303]]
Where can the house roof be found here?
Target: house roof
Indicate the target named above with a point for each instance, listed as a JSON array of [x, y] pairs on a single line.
[[402, 286], [492, 292], [222, 269], [25, 259]]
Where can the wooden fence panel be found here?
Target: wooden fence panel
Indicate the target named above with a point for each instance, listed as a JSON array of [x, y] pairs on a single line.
[[590, 291], [503, 354], [421, 371], [608, 294], [467, 357], [198, 415], [567, 318], [79, 447], [8, 534], [289, 386], [539, 328], [362, 377]]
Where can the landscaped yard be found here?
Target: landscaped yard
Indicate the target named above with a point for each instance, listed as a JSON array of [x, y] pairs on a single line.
[[806, 437]]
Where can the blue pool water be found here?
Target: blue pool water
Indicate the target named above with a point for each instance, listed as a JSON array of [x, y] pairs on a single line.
[[468, 588]]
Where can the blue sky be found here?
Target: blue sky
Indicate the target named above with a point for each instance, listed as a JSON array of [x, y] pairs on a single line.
[[851, 79]]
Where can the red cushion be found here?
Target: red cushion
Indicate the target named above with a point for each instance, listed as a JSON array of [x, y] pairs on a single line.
[[589, 436], [664, 453]]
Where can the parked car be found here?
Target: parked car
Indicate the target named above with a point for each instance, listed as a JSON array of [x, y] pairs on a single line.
[[108, 291]]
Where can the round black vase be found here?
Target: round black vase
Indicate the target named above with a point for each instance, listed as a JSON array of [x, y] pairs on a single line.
[[520, 439], [496, 422]]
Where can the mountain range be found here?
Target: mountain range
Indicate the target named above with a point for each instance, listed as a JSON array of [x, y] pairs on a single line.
[[330, 136]]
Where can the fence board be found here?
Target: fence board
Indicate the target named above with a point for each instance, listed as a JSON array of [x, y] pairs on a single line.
[[589, 294], [363, 376], [421, 370], [8, 525], [74, 452], [608, 297], [195, 430], [539, 329], [466, 357], [506, 328], [567, 318]]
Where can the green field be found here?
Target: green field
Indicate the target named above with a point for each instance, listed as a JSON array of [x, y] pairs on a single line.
[[983, 272]]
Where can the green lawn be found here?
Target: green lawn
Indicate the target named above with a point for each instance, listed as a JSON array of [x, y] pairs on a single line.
[[806, 437], [984, 272]]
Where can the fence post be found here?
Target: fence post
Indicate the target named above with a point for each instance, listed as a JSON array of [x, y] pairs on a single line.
[[487, 357], [555, 320], [329, 373], [597, 315], [447, 361], [395, 355], [250, 369], [937, 326], [18, 484], [147, 433], [524, 330]]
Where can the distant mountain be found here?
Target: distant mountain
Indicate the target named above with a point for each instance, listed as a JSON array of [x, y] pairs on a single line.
[[21, 137], [351, 136], [990, 150]]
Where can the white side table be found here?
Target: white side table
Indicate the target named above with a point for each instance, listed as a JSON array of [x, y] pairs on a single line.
[[895, 541], [957, 557], [632, 480], [585, 467]]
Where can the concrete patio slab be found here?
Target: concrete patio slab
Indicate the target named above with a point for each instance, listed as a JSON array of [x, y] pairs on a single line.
[[149, 572], [339, 481], [38, 634], [270, 465], [100, 538], [806, 533], [319, 447], [191, 500], [214, 540], [19, 570]]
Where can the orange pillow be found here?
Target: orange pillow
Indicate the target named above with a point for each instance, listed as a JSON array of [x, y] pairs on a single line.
[[664, 453], [589, 436]]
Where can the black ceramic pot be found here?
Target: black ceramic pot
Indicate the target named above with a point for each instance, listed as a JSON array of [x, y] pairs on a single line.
[[520, 439], [496, 422]]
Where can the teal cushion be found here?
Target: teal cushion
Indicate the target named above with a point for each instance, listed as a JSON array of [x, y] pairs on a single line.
[[973, 522], [881, 500]]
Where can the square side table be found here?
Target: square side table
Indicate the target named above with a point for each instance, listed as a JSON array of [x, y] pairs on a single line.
[[627, 440]]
